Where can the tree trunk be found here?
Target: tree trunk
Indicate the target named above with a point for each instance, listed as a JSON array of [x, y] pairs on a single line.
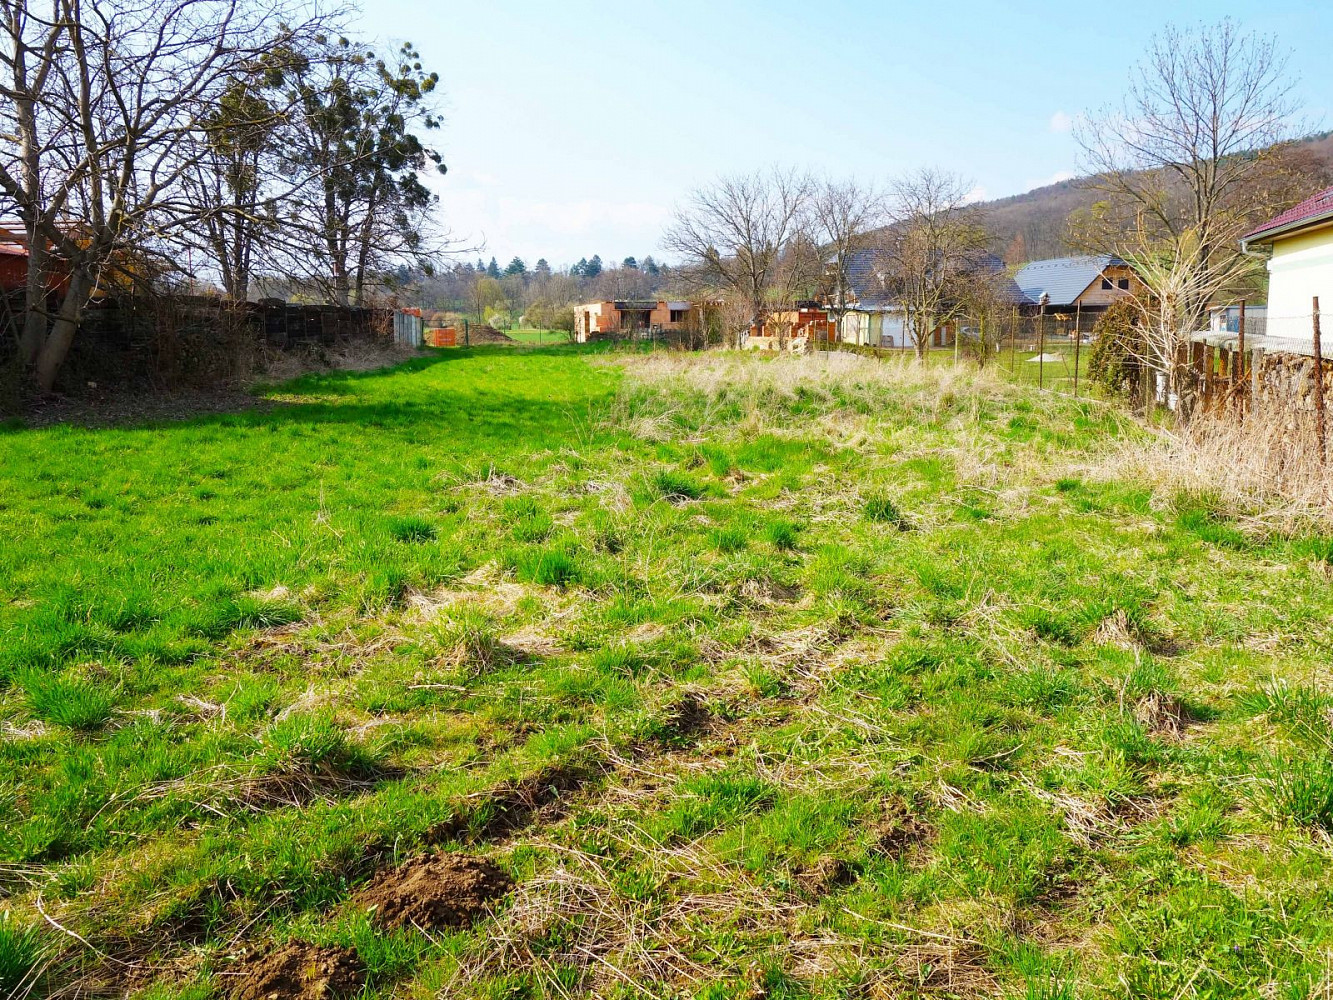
[[57, 345], [35, 322], [919, 336]]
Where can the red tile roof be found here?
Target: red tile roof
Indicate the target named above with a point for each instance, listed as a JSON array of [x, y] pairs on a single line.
[[1311, 208]]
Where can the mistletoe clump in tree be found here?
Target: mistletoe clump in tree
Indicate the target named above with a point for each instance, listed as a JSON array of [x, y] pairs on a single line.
[[354, 124]]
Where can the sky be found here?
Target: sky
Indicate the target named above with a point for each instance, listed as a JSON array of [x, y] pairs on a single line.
[[575, 128]]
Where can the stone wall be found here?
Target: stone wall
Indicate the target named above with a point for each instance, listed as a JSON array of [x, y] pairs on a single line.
[[1285, 387]]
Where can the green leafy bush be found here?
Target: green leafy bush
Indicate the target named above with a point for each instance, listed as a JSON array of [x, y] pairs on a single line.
[[1114, 361]]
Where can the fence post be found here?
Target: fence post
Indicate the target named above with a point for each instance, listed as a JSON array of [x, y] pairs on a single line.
[[1320, 427], [1041, 349], [1078, 341], [1013, 341], [1256, 364], [1240, 362]]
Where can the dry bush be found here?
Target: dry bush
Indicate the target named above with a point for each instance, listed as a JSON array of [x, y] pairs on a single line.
[[1264, 471]]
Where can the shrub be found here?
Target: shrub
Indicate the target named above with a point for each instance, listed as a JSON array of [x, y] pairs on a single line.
[[1113, 363], [70, 701]]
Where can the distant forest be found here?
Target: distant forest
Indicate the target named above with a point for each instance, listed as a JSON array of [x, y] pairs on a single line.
[[1035, 225]]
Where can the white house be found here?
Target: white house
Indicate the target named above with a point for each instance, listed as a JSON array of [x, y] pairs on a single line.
[[1300, 265]]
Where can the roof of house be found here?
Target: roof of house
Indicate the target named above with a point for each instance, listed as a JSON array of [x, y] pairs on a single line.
[[1063, 279], [1317, 208], [869, 273]]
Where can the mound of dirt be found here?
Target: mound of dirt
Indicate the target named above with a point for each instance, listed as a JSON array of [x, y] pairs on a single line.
[[488, 335], [826, 875], [434, 890], [300, 971], [897, 832], [684, 720]]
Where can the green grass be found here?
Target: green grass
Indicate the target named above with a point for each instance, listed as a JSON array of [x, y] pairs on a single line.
[[759, 676], [540, 338]]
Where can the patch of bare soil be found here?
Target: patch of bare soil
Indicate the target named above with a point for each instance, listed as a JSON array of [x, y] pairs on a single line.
[[957, 969], [511, 806], [684, 720], [434, 890], [111, 407], [299, 971], [488, 335], [826, 875], [897, 832], [102, 404]]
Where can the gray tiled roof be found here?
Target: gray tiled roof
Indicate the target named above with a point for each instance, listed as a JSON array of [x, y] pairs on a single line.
[[1062, 278], [868, 269]]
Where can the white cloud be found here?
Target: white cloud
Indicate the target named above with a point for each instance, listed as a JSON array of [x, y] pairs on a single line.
[[1061, 122], [978, 193]]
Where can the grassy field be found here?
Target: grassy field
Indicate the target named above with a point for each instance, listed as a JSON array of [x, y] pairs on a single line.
[[541, 338], [706, 676]]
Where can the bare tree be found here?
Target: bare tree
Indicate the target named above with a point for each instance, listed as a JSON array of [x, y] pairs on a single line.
[[988, 299], [126, 86], [844, 214], [1196, 155], [31, 44], [739, 235], [230, 184], [935, 245]]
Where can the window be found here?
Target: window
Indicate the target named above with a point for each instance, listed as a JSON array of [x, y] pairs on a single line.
[[679, 315], [1106, 284], [1124, 284]]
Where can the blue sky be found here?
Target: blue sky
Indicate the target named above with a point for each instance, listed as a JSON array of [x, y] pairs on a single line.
[[572, 128]]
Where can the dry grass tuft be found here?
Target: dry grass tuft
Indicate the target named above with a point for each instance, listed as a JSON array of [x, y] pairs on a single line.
[[1264, 471], [578, 915]]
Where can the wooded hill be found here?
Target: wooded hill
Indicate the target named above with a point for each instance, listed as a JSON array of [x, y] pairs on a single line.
[[1034, 225]]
